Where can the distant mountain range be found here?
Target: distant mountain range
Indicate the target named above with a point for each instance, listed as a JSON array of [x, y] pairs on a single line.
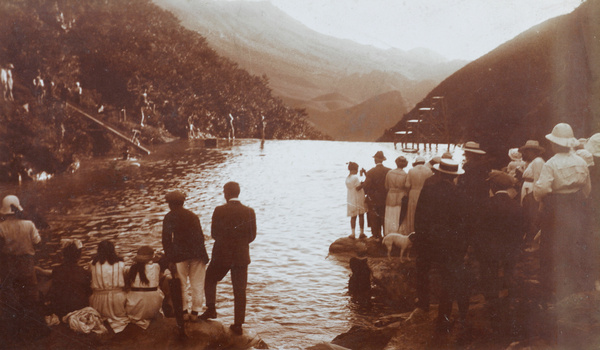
[[520, 90], [304, 66]]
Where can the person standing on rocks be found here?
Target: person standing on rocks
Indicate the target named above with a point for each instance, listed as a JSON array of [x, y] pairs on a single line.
[[233, 228], [183, 242], [440, 241], [376, 192], [566, 265], [355, 200]]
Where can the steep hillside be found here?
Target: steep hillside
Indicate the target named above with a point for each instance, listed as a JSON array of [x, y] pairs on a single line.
[[363, 122], [118, 50], [546, 75], [302, 64]]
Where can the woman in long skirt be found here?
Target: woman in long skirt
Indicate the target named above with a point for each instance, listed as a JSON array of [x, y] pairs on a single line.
[[395, 183], [108, 281], [414, 183]]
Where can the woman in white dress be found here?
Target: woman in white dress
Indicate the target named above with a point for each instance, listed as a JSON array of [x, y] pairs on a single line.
[[414, 183], [144, 299], [355, 200], [395, 183], [108, 281]]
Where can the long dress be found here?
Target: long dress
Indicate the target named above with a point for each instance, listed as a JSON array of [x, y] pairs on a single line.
[[108, 297], [356, 199], [395, 183], [144, 301], [414, 182]]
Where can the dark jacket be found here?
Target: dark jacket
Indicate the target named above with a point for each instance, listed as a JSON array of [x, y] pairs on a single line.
[[182, 236], [233, 228], [502, 233], [374, 185], [70, 290], [439, 229]]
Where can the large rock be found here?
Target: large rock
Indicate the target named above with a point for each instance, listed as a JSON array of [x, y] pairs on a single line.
[[365, 338], [394, 281], [364, 247]]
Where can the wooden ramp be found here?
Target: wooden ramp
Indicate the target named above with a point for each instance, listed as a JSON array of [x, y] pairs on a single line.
[[109, 128]]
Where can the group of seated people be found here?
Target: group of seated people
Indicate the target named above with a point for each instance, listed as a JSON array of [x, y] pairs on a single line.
[[121, 294]]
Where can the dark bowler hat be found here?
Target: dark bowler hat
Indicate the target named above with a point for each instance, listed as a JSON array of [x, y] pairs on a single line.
[[175, 197], [448, 166], [379, 155], [501, 179], [144, 255]]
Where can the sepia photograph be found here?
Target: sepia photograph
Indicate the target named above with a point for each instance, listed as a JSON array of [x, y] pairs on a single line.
[[287, 174]]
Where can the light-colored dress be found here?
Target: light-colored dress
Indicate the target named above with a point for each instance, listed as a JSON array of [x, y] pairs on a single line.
[[144, 302], [414, 182], [395, 183], [356, 199], [108, 297]]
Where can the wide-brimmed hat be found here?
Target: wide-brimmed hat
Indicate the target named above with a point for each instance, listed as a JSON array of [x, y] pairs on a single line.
[[379, 155], [473, 147], [144, 254], [175, 197], [448, 166], [7, 205], [562, 135], [514, 154], [419, 160], [501, 179], [532, 145], [593, 145]]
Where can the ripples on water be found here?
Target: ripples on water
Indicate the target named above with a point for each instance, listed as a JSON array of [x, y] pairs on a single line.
[[296, 295]]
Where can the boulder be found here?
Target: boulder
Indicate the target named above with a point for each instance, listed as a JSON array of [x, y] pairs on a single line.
[[364, 247], [365, 338], [394, 281]]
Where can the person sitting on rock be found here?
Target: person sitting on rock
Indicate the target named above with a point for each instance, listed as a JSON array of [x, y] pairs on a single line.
[[144, 298], [71, 283]]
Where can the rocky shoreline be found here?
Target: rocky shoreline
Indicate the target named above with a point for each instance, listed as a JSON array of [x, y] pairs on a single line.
[[516, 322]]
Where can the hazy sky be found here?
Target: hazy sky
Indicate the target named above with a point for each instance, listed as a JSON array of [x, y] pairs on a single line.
[[465, 29]]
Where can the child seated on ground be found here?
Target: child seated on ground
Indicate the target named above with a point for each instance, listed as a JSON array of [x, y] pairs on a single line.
[[144, 298], [71, 283]]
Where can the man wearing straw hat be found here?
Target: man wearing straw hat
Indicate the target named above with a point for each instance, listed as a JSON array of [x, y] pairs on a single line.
[[440, 241], [376, 192], [563, 186]]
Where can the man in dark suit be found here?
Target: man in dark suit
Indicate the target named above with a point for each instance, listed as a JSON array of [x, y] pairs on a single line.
[[440, 241], [376, 193], [233, 229]]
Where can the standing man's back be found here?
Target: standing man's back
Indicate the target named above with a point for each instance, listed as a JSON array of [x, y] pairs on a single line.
[[376, 192], [233, 228]]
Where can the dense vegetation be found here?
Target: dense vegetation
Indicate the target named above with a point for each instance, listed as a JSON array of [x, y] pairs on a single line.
[[118, 50]]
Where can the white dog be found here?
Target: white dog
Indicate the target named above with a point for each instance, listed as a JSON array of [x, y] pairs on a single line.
[[398, 240]]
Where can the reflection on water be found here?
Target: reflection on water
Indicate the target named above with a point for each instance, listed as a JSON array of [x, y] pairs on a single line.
[[296, 295]]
